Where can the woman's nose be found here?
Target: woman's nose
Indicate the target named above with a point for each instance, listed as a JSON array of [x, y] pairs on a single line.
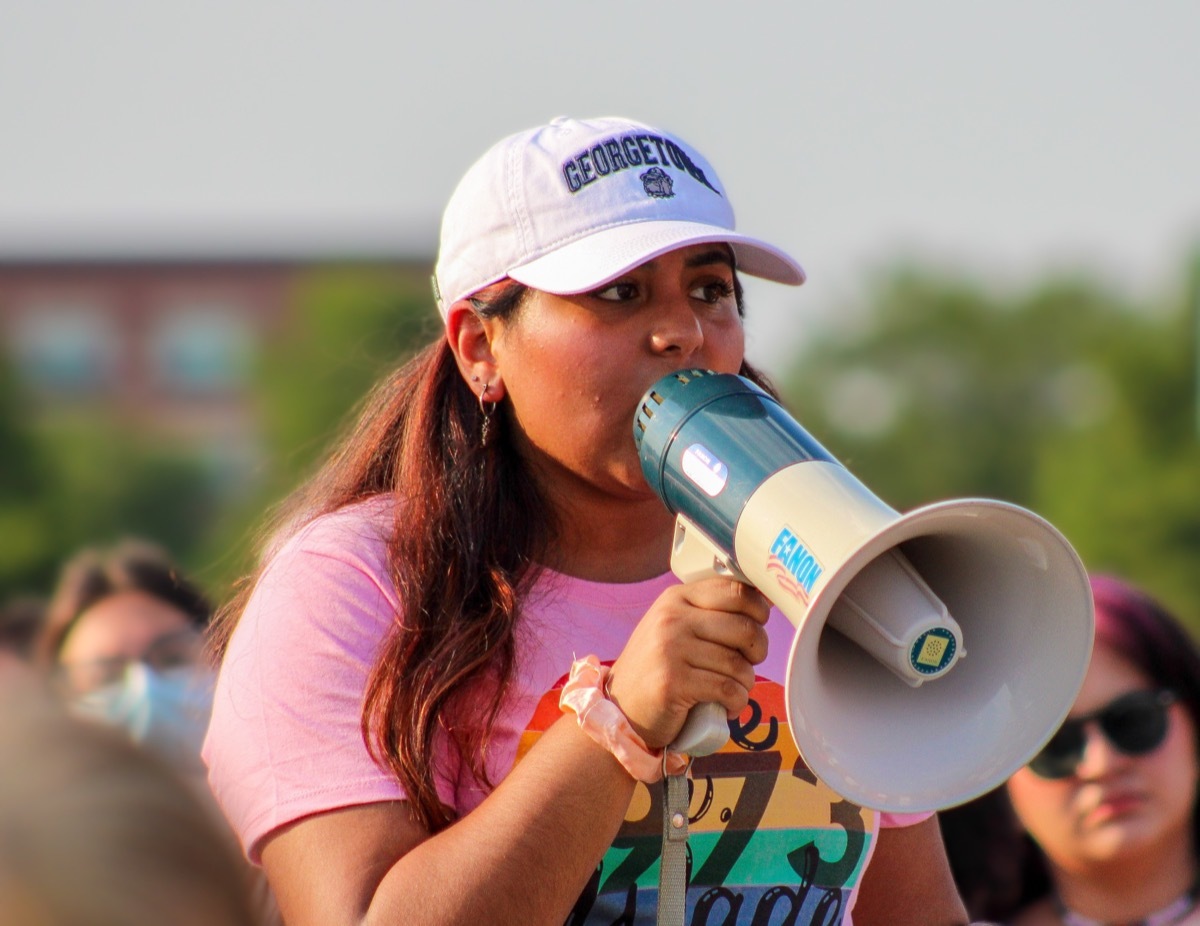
[[1099, 755], [677, 329]]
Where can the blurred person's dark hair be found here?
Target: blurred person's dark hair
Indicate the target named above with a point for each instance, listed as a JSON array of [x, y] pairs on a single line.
[[95, 573], [1133, 623], [996, 865], [96, 831], [20, 623]]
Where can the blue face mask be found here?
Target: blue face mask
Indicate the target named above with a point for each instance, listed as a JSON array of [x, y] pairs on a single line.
[[166, 711]]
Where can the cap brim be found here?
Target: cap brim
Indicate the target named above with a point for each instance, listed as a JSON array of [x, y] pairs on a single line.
[[604, 255]]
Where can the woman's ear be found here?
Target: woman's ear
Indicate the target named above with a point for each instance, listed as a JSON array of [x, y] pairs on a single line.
[[470, 338]]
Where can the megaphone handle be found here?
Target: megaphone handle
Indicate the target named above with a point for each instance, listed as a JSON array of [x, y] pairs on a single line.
[[704, 732], [694, 556]]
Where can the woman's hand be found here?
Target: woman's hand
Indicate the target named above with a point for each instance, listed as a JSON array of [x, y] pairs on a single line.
[[699, 642]]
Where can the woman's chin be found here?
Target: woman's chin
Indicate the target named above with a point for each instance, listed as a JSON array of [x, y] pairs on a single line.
[[1121, 837]]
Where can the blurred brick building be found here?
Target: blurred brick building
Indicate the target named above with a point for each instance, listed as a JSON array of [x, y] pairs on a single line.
[[164, 344]]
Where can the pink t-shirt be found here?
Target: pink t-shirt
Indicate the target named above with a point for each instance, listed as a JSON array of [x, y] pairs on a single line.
[[285, 739]]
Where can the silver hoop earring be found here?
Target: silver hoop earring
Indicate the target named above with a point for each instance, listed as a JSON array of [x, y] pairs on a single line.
[[488, 409]]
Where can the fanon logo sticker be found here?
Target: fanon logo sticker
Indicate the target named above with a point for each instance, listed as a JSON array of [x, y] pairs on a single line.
[[793, 565]]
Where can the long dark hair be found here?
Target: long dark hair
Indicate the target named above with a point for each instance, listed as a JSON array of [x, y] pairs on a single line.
[[472, 526]]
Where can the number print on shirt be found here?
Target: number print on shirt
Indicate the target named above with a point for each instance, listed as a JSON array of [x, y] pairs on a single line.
[[768, 842]]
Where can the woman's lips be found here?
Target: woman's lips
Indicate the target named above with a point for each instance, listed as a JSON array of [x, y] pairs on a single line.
[[1116, 804]]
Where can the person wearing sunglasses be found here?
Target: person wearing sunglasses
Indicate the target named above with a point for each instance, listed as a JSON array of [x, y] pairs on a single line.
[[1101, 827], [1135, 724]]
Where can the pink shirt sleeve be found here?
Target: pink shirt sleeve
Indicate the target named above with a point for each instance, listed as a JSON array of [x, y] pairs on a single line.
[[285, 739], [887, 820]]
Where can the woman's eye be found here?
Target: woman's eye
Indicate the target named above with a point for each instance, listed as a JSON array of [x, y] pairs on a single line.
[[714, 291], [617, 292]]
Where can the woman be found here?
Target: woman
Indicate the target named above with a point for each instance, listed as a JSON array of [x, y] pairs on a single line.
[[123, 638], [387, 736], [1101, 827]]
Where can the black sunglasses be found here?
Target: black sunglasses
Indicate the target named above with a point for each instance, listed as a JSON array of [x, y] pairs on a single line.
[[1135, 724]]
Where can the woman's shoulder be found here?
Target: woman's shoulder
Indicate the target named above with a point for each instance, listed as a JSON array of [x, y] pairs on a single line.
[[332, 574], [363, 528], [338, 552]]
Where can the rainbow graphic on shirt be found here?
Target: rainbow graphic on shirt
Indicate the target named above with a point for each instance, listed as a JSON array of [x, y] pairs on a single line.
[[768, 842]]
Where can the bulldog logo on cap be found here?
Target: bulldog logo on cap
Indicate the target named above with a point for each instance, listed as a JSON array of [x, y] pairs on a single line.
[[657, 183]]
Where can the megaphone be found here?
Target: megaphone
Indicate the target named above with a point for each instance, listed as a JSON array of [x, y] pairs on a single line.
[[935, 652]]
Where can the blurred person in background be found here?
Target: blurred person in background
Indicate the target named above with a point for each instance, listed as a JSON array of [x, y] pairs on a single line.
[[1102, 826], [95, 831], [20, 623], [123, 642]]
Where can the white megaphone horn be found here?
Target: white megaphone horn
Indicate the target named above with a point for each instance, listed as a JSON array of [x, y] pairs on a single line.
[[883, 700]]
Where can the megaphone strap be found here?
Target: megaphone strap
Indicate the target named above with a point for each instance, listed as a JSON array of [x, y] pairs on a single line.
[[672, 870], [584, 693]]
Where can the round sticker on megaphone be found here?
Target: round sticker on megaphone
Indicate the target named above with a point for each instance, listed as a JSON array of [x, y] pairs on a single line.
[[933, 651]]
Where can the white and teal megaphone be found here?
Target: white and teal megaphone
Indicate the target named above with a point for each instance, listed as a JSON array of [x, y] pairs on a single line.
[[935, 651]]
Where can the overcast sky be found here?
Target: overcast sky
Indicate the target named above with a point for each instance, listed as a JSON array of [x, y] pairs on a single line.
[[1015, 137]]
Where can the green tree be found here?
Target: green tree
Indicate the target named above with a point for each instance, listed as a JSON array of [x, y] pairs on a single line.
[[1065, 398], [71, 481], [73, 477], [24, 529], [351, 325]]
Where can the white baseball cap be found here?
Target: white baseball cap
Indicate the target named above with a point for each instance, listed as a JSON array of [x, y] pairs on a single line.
[[569, 206]]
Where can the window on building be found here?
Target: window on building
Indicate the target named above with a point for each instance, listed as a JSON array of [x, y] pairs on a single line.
[[66, 348], [201, 349]]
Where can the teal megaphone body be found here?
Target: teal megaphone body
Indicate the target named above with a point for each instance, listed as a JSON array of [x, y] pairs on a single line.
[[935, 651]]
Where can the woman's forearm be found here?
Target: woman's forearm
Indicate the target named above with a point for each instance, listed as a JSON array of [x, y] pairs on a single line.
[[526, 853]]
